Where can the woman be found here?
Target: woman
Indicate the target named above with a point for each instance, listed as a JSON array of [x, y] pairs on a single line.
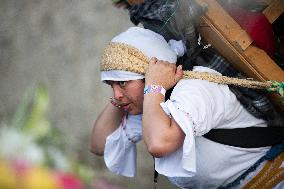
[[172, 129]]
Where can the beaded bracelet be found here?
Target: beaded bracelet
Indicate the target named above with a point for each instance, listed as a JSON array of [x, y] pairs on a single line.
[[154, 89]]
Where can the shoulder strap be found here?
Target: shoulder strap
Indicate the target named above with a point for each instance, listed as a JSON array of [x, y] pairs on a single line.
[[250, 137]]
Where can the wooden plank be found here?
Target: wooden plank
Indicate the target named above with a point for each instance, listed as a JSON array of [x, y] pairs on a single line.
[[221, 32], [213, 36], [263, 64], [226, 24], [274, 10]]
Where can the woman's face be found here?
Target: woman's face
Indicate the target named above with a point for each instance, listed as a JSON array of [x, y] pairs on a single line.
[[129, 94]]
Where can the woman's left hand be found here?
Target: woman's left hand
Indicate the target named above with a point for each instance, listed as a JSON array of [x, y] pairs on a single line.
[[162, 73]]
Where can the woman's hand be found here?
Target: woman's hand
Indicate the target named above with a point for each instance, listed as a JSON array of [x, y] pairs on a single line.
[[162, 73], [162, 135]]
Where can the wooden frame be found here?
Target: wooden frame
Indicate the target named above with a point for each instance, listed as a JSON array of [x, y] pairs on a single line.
[[219, 29]]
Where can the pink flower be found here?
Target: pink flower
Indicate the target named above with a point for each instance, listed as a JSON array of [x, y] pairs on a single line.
[[68, 181]]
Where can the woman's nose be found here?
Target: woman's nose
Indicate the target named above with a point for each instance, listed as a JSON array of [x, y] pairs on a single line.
[[117, 92]]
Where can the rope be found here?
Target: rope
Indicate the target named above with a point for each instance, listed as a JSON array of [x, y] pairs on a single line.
[[277, 87], [270, 86], [119, 56], [226, 80]]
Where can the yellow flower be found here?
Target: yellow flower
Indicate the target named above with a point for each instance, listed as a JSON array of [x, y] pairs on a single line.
[[39, 178], [7, 177]]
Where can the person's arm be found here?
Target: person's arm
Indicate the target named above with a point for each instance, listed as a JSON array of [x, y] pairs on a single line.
[[162, 135], [107, 122]]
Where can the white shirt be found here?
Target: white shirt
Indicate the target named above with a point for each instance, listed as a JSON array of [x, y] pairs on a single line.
[[197, 106]]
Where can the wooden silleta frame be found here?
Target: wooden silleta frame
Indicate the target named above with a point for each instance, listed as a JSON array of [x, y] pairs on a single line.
[[219, 29]]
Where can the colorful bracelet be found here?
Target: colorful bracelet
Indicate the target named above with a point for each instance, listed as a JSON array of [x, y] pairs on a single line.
[[154, 89]]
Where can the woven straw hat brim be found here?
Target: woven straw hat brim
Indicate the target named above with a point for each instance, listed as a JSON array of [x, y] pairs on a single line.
[[120, 56]]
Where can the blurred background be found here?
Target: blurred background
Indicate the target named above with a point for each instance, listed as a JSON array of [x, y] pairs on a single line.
[[50, 95]]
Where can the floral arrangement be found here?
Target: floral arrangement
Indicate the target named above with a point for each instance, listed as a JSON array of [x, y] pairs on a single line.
[[32, 150]]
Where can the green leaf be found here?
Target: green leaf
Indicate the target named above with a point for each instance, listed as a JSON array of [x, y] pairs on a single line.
[[19, 118], [37, 124]]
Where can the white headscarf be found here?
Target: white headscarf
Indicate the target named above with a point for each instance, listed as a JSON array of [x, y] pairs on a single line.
[[151, 44]]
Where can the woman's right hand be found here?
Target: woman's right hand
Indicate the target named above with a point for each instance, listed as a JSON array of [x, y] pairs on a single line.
[[106, 123]]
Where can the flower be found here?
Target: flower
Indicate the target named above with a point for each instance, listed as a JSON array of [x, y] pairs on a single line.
[[7, 177], [68, 181], [39, 177]]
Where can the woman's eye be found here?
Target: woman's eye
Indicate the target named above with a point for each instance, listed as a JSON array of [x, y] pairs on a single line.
[[122, 83]]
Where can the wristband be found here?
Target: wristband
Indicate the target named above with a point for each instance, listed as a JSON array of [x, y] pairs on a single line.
[[154, 89]]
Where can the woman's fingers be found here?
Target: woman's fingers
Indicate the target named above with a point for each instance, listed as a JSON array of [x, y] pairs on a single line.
[[179, 73], [163, 73], [153, 60]]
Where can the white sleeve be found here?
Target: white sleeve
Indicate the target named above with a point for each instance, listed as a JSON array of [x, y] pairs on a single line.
[[203, 102], [120, 149], [181, 163]]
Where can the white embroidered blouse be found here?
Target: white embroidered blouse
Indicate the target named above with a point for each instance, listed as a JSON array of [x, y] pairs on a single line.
[[197, 106]]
